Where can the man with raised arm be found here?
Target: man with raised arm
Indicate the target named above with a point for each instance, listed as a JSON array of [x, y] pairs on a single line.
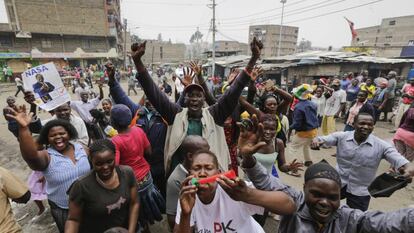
[[194, 119]]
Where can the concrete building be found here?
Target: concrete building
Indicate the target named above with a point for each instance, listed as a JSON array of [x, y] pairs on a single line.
[[68, 32], [387, 39], [269, 35], [158, 52]]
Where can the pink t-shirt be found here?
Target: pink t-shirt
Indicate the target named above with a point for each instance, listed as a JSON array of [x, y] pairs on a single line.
[[130, 149]]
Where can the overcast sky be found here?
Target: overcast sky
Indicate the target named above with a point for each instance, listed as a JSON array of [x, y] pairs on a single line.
[[178, 19]]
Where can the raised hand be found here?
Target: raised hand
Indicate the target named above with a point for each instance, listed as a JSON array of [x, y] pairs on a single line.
[[235, 188], [21, 116], [187, 196], [251, 132], [188, 77], [256, 47], [29, 97], [138, 50], [196, 68], [232, 76], [110, 70], [256, 72]]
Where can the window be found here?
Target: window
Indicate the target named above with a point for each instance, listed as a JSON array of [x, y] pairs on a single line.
[[5, 41], [392, 22], [86, 43], [388, 37], [386, 44], [46, 43]]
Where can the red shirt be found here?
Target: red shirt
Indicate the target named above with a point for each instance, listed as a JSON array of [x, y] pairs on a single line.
[[130, 149]]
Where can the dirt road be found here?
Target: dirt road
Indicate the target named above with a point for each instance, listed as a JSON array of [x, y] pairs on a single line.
[[10, 158]]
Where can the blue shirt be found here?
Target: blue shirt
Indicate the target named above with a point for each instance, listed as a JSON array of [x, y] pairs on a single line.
[[344, 84], [62, 172], [305, 116], [352, 93], [358, 164]]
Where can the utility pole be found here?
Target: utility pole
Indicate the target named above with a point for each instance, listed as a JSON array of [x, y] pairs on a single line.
[[213, 21], [281, 27], [125, 35]]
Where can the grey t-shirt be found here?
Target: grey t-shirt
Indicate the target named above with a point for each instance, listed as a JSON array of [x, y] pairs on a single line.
[[392, 84], [173, 188]]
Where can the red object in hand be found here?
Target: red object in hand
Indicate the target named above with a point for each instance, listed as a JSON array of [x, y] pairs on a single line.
[[229, 174]]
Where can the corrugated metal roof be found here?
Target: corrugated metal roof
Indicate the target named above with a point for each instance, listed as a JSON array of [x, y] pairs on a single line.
[[317, 57]]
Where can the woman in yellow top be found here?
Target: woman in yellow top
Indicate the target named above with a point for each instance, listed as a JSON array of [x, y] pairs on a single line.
[[369, 87]]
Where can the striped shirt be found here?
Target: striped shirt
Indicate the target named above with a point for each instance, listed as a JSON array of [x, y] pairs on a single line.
[[62, 172]]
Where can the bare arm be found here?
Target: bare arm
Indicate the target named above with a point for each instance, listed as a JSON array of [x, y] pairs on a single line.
[[74, 218], [249, 108], [37, 160], [160, 101], [281, 160], [283, 107], [198, 70], [133, 210], [101, 94]]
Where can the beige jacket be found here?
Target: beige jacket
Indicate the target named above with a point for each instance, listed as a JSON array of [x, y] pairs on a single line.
[[214, 134]]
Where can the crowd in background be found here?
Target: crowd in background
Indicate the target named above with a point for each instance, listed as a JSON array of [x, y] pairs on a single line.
[[115, 165]]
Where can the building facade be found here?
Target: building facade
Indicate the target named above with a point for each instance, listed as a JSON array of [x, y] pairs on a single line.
[[68, 32], [158, 52], [387, 39], [269, 35]]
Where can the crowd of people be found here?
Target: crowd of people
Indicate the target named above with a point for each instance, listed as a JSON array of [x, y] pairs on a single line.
[[124, 167]]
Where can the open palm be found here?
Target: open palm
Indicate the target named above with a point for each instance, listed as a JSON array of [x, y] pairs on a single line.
[[21, 116], [251, 132]]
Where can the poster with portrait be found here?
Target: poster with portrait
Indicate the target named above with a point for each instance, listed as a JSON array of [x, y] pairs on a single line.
[[47, 86]]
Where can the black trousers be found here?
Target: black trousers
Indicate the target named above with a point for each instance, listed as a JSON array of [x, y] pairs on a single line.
[[355, 202], [19, 89], [59, 215]]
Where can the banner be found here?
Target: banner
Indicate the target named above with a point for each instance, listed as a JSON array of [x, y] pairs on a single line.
[[45, 82]]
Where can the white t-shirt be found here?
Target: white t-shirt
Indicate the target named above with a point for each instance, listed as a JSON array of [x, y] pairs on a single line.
[[223, 214], [333, 103]]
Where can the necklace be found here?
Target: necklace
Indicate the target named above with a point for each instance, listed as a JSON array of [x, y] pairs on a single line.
[[110, 182]]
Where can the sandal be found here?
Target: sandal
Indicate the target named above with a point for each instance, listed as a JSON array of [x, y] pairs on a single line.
[[295, 174]]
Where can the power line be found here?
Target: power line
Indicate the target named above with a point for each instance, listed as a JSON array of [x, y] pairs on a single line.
[[165, 3], [225, 36], [261, 12], [337, 11], [288, 13]]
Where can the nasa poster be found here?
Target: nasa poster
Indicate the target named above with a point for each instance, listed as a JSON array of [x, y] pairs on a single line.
[[47, 86]]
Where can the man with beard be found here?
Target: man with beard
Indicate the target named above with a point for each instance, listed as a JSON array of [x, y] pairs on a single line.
[[194, 119], [358, 155], [318, 206]]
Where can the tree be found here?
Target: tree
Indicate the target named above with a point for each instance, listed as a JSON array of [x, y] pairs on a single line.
[[196, 37], [304, 45]]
